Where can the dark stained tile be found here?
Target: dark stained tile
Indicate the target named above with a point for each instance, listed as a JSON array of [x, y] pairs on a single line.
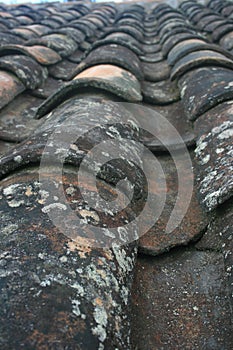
[[49, 87], [113, 54], [181, 301], [177, 38], [24, 33], [61, 43], [16, 119], [62, 70], [38, 29], [218, 237], [122, 39], [137, 34], [227, 41], [214, 118], [31, 150], [26, 69], [222, 30], [5, 146], [76, 57], [65, 282], [200, 58], [8, 38], [152, 58], [75, 34], [204, 88], [162, 92], [156, 71], [188, 46]]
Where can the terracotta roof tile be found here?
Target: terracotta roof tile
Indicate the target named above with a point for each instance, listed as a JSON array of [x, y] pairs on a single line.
[[80, 63]]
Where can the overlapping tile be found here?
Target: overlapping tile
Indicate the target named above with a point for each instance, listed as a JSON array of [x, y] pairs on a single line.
[[204, 88]]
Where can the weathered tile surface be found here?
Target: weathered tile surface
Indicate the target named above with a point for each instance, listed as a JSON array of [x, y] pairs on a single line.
[[84, 59]]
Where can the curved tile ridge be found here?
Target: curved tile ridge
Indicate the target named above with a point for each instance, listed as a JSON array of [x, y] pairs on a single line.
[[112, 78], [95, 120], [116, 80], [112, 54]]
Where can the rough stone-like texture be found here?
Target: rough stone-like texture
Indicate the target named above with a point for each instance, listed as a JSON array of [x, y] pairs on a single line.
[[26, 69], [204, 88], [17, 119], [181, 301], [60, 43], [214, 158], [87, 123], [58, 292], [213, 118], [218, 237]]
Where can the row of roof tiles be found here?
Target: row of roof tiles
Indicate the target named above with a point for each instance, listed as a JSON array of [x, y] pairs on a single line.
[[57, 66]]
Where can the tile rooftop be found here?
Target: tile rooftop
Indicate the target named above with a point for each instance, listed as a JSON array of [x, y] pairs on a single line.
[[153, 85]]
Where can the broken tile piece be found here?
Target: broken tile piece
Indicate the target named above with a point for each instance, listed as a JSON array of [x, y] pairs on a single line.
[[204, 88], [214, 163]]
